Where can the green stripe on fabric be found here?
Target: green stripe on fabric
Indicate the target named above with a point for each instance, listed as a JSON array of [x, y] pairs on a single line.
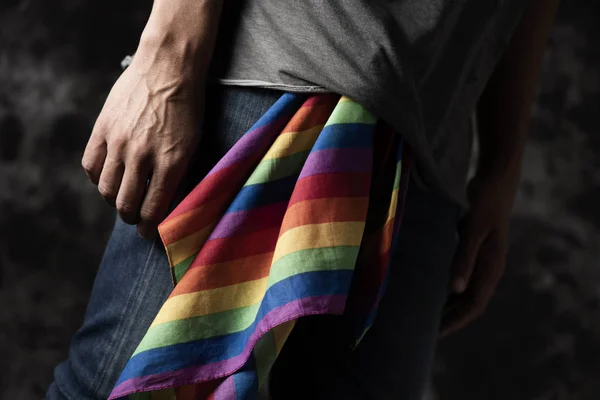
[[196, 328], [398, 175], [182, 267], [310, 260], [349, 112], [140, 396], [277, 168], [264, 356]]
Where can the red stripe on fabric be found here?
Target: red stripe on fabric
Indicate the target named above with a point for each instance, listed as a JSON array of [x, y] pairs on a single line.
[[322, 98], [226, 180], [371, 270], [187, 392], [228, 249], [247, 221], [369, 282], [204, 277], [334, 184], [205, 390]]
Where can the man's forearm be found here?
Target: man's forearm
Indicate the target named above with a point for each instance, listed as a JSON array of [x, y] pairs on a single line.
[[505, 106], [180, 36]]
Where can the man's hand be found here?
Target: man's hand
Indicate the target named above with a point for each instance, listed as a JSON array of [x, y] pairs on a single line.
[[149, 126], [503, 122], [141, 143], [481, 255]]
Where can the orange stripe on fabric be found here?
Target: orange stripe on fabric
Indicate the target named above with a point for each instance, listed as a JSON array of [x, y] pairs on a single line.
[[386, 236], [308, 116], [203, 277], [315, 211], [193, 220]]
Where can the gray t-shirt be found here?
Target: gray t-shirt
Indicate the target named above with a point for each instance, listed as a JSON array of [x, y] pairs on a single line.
[[420, 65]]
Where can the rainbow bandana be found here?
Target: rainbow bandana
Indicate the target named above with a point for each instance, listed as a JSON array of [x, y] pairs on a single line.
[[298, 218]]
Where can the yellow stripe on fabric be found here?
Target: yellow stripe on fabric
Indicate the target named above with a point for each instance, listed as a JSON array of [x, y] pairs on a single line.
[[386, 237], [290, 143], [277, 168], [281, 333], [330, 234], [186, 247], [198, 328], [268, 348], [393, 203], [350, 112], [309, 260], [211, 301]]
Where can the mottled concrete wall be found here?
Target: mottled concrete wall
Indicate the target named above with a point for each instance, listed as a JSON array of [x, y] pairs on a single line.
[[541, 337]]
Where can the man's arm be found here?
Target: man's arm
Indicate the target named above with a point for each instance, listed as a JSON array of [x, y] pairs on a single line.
[[181, 34], [147, 130], [504, 108], [503, 123]]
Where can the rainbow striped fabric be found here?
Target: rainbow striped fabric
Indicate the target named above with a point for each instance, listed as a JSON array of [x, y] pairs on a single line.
[[298, 218]]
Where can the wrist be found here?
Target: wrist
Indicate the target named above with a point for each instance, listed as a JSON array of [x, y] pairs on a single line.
[[180, 37], [167, 54]]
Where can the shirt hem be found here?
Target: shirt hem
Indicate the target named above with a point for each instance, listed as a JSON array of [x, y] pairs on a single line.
[[271, 85]]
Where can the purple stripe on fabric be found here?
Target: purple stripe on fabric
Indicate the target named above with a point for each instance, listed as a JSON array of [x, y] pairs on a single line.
[[233, 221], [251, 143], [292, 310], [226, 390], [337, 160]]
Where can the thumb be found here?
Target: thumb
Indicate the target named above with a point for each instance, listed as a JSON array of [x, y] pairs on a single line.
[[471, 237]]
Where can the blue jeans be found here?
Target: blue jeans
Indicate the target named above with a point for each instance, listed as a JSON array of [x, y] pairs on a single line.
[[392, 361]]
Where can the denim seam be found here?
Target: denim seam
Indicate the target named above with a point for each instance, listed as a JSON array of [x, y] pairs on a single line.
[[65, 393], [125, 324]]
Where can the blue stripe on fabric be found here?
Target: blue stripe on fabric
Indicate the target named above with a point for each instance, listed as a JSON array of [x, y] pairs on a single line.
[[206, 351], [263, 194], [345, 135], [288, 103], [246, 383]]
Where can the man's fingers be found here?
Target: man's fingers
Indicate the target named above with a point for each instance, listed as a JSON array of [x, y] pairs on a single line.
[[131, 192], [159, 195], [461, 316], [466, 307], [462, 309], [471, 237], [110, 178], [93, 158]]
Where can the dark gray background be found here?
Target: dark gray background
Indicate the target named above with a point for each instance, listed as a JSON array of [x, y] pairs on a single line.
[[540, 339]]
